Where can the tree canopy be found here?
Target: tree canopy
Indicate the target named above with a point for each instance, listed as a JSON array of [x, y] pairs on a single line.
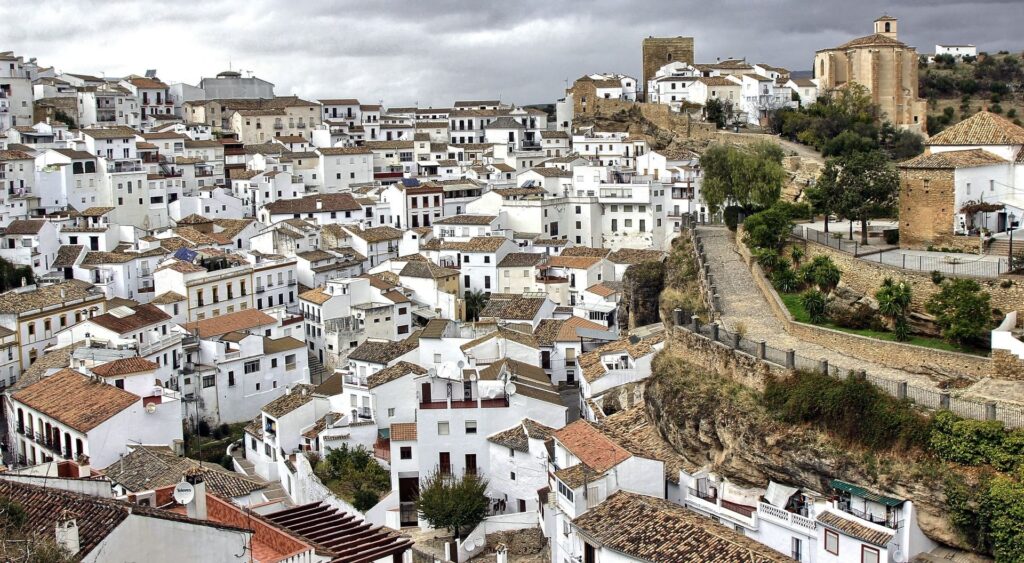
[[859, 186], [750, 177], [456, 504]]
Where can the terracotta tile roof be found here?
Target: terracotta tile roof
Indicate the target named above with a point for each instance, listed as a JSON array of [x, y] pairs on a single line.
[[519, 192], [636, 255], [715, 81], [147, 468], [97, 518], [521, 259], [982, 128], [141, 316], [479, 244], [396, 297], [124, 366], [403, 432], [56, 294], [24, 227], [376, 234], [147, 83], [550, 242], [168, 297], [427, 270], [392, 373], [660, 531], [590, 446], [384, 352], [294, 398], [585, 251], [551, 172], [601, 290], [67, 255], [316, 295], [853, 529], [466, 220], [15, 155], [632, 430], [231, 322], [514, 308], [338, 151], [573, 262], [592, 366], [871, 40], [308, 204], [110, 133], [75, 399], [954, 159], [517, 437]]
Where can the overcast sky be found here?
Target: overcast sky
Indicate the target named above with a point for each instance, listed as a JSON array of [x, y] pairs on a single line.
[[436, 51]]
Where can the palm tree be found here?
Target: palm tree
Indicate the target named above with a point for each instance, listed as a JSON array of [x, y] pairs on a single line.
[[894, 304], [475, 303]]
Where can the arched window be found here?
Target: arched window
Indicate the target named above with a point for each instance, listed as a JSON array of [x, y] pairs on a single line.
[[821, 71], [888, 27], [669, 57], [78, 447]]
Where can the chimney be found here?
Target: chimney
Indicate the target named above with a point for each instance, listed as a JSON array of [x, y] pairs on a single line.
[[67, 533], [179, 447], [196, 508], [84, 471], [319, 203], [63, 294]]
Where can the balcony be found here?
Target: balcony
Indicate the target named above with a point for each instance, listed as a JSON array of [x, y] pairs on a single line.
[[552, 279], [711, 496], [889, 521], [785, 517], [498, 403], [124, 167]]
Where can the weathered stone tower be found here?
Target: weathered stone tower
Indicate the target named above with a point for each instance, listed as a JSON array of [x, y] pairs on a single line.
[[659, 51]]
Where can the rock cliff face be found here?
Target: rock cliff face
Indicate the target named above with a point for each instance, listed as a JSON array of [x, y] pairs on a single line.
[[714, 422]]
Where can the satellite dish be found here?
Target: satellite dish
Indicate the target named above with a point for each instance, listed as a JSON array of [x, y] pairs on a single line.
[[461, 364], [510, 388], [151, 408], [184, 492]]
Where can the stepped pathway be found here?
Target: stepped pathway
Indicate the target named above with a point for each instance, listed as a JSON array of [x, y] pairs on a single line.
[[743, 304], [273, 491]]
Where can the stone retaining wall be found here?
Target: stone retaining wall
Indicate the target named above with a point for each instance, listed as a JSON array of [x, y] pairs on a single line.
[[892, 354], [1006, 365]]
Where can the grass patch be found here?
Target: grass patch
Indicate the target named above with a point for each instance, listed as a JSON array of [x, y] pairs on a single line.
[[211, 449], [796, 309]]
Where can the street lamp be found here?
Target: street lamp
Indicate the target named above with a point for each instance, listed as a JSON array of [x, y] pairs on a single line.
[[1012, 218]]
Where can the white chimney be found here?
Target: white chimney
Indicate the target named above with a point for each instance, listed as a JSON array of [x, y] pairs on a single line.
[[67, 534], [196, 508], [319, 204], [84, 471]]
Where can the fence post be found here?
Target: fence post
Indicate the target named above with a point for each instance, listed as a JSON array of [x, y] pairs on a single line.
[[990, 410], [736, 340], [717, 302], [695, 324], [901, 389], [823, 366], [677, 316], [791, 359], [761, 349], [714, 331], [944, 400]]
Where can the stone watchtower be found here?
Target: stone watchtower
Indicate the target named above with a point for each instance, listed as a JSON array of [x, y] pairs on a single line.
[[659, 51]]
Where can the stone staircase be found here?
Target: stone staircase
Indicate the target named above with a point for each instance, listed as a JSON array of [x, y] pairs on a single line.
[[316, 369], [273, 490]]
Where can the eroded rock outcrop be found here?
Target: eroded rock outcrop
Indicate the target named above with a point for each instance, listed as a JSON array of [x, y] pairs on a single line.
[[716, 422]]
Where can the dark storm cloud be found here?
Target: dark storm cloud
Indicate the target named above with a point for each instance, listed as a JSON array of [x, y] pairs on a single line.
[[432, 52]]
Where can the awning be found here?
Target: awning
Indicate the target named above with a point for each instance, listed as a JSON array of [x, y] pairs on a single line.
[[778, 495], [864, 493]]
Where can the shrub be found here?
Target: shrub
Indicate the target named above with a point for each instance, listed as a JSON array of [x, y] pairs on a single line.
[[227, 462], [996, 108], [962, 310], [937, 276], [894, 303], [731, 215], [892, 236], [364, 499], [784, 279], [822, 272], [796, 254], [1012, 113], [767, 229], [814, 303], [976, 442], [851, 408], [767, 258], [203, 428]]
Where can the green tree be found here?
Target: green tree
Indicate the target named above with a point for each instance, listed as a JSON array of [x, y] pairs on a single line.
[[751, 176], [962, 310], [894, 304], [822, 272], [456, 504], [475, 303], [768, 229], [869, 187], [719, 112], [814, 303]]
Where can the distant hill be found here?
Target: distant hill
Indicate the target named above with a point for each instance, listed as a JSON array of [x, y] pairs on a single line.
[[958, 89]]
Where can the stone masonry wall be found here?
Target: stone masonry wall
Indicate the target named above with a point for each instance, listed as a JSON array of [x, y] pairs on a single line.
[[927, 198], [660, 51], [866, 277], [1007, 365]]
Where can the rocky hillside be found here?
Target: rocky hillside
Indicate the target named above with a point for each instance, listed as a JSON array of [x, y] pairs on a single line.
[[712, 421]]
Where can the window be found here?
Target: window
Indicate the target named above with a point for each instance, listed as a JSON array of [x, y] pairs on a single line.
[[442, 428], [405, 452], [119, 384], [512, 475], [391, 413], [273, 362], [567, 493], [208, 381], [252, 366], [231, 379], [868, 554], [831, 542], [470, 427]]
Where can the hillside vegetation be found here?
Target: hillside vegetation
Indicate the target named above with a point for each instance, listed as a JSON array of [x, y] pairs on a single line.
[[956, 90]]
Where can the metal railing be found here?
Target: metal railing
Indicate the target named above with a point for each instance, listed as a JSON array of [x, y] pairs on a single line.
[[952, 264], [1011, 415]]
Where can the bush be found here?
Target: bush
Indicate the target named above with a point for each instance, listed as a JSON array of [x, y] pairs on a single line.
[[996, 108], [937, 277], [962, 310], [894, 303], [822, 272], [892, 236], [731, 214], [796, 254], [365, 499], [1012, 113], [784, 279], [767, 229], [814, 303], [227, 462], [976, 442], [851, 408], [203, 428], [767, 258]]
